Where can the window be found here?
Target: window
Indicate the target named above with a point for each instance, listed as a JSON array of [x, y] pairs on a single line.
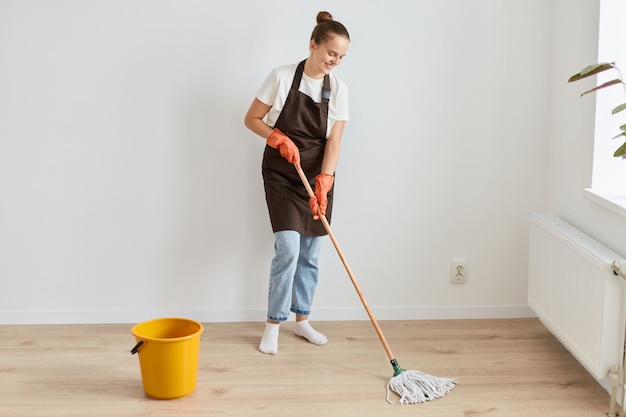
[[609, 173]]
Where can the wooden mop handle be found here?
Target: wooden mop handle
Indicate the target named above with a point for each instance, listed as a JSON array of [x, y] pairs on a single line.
[[324, 221]]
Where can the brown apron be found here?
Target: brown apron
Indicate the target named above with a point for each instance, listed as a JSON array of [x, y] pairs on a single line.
[[304, 122]]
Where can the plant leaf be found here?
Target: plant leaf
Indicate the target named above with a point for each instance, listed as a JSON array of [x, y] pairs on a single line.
[[606, 84], [619, 108], [618, 135], [621, 151], [590, 70], [622, 127]]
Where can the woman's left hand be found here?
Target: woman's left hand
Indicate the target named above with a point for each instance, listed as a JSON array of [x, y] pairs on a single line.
[[319, 202]]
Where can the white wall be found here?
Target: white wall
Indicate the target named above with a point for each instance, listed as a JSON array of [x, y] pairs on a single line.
[[129, 187]]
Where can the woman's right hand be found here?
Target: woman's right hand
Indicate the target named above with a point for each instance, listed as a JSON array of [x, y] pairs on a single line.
[[288, 149]]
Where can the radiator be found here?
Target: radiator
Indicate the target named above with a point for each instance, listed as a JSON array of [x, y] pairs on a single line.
[[575, 293]]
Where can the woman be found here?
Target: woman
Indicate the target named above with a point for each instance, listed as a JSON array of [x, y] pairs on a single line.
[[300, 110]]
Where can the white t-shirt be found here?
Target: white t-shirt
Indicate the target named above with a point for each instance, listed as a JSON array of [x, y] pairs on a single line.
[[275, 89]]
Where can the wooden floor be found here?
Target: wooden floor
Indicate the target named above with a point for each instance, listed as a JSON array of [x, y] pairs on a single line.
[[511, 367]]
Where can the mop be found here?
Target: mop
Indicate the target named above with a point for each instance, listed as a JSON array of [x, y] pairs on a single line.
[[412, 386]]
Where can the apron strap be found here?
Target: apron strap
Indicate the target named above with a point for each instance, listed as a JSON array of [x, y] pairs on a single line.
[[295, 84], [326, 88]]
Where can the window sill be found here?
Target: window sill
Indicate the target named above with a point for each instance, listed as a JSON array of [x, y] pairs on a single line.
[[617, 204]]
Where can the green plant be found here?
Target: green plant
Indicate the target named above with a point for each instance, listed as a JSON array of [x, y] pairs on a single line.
[[596, 69]]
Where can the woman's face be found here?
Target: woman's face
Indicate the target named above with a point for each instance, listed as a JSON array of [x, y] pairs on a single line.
[[327, 55]]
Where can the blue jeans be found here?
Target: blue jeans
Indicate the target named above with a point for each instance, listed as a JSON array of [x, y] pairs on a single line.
[[293, 274]]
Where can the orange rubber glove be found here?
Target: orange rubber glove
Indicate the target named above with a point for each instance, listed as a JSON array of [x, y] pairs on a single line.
[[319, 202], [288, 149]]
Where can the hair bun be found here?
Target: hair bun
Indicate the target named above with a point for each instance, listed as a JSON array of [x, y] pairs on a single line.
[[323, 16], [327, 28]]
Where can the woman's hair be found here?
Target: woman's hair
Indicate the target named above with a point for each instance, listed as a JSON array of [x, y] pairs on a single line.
[[327, 28]]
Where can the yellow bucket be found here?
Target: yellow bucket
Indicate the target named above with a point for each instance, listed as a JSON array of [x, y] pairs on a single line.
[[168, 356]]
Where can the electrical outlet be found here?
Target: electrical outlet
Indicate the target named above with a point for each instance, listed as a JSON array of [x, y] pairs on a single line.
[[458, 271]]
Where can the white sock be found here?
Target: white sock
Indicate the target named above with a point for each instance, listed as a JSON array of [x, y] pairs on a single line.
[[304, 329], [269, 342]]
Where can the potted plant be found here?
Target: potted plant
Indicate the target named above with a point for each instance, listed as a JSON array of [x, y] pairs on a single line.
[[596, 69]]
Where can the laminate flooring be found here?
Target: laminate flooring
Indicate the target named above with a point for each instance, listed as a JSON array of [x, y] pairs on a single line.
[[504, 367]]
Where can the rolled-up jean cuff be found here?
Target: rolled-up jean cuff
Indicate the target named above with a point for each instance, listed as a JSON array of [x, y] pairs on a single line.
[[277, 318], [298, 311]]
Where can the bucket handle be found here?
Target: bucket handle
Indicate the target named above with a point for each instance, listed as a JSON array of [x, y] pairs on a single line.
[[136, 348]]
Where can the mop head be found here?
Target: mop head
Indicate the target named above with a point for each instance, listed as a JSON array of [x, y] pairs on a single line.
[[416, 387]]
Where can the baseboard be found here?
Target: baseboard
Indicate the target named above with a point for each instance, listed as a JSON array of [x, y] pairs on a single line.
[[425, 313], [246, 315]]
